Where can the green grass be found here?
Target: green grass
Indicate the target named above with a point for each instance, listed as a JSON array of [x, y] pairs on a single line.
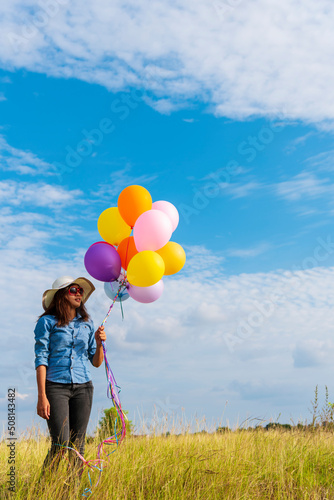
[[245, 464]]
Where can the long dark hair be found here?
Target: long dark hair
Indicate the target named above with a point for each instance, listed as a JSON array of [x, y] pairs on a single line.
[[59, 308]]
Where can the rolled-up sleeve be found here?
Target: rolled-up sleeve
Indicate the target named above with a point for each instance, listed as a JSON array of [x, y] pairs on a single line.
[[42, 341], [91, 342]]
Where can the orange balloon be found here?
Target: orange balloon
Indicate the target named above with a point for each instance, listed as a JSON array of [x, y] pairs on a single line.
[[132, 202], [126, 250]]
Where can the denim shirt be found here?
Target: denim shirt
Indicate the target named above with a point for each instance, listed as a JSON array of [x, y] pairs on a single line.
[[65, 350]]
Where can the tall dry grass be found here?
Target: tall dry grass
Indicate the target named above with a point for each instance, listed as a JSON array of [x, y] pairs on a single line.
[[243, 464]]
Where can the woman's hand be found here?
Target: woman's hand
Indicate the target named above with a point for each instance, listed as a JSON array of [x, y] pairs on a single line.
[[43, 407], [100, 335]]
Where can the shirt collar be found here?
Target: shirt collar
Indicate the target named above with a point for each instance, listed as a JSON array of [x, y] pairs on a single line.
[[78, 315]]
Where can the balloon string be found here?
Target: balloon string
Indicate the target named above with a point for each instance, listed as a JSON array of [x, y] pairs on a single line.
[[120, 301], [121, 288], [126, 253], [113, 389], [113, 394], [90, 464]]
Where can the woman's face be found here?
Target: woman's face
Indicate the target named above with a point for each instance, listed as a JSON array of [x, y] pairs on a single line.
[[74, 300]]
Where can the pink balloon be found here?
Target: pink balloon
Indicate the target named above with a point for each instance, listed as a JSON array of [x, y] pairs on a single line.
[[169, 209], [146, 294], [152, 230]]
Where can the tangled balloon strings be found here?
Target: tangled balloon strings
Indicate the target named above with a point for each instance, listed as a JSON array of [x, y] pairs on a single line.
[[113, 391], [113, 388], [90, 464]]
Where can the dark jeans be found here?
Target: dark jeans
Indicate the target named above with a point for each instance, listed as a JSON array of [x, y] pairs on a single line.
[[70, 407]]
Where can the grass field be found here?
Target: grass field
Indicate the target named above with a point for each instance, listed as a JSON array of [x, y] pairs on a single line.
[[244, 464]]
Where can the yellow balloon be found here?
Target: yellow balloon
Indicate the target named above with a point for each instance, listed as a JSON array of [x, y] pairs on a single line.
[[145, 268], [174, 257], [112, 227]]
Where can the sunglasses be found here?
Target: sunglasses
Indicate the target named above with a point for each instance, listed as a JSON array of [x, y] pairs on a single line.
[[73, 290]]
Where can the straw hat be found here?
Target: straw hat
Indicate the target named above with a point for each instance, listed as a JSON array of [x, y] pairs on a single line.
[[63, 282]]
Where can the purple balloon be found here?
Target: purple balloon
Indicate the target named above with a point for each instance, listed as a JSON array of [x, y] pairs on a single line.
[[103, 262], [146, 294]]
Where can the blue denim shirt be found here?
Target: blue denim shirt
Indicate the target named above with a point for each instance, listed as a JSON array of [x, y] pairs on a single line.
[[65, 350]]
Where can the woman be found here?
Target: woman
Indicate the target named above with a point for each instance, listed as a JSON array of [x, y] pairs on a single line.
[[64, 342]]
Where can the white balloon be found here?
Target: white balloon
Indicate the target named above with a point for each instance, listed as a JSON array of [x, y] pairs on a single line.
[[111, 290], [146, 294]]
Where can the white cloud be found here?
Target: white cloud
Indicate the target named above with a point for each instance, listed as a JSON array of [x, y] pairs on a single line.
[[249, 252], [5, 79], [239, 190], [201, 261], [21, 396], [22, 162], [298, 142], [120, 178], [304, 185], [38, 194], [163, 106], [323, 161], [309, 353], [252, 58]]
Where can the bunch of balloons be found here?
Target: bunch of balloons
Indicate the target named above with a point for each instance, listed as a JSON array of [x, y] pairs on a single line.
[[136, 252]]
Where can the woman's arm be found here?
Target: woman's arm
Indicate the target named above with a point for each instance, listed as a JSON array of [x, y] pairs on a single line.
[[98, 356], [42, 341], [43, 405]]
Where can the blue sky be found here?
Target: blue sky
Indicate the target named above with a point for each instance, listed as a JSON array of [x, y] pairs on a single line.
[[234, 137]]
